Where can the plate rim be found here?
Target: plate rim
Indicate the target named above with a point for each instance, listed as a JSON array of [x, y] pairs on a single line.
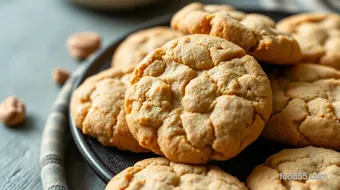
[[81, 140]]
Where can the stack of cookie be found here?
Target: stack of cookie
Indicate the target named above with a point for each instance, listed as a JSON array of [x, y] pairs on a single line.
[[196, 93]]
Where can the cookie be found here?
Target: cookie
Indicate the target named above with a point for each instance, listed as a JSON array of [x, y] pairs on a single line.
[[97, 108], [162, 174], [255, 33], [307, 168], [197, 98], [306, 106], [318, 35], [135, 47]]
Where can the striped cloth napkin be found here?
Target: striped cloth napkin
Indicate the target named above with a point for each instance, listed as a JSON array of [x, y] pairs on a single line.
[[54, 136]]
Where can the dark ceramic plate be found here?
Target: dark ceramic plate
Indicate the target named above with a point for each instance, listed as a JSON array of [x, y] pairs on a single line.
[[107, 162]]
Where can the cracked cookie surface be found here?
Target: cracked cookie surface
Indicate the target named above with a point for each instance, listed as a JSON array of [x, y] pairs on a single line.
[[198, 98], [318, 162], [255, 33], [306, 106], [97, 107], [162, 174], [318, 35], [136, 46]]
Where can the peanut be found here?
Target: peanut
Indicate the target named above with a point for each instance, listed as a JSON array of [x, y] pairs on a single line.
[[83, 44], [60, 75], [12, 111]]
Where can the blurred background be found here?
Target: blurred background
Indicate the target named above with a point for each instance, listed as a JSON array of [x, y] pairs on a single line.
[[32, 43]]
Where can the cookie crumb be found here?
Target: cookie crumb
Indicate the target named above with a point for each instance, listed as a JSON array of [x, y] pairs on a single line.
[[83, 44], [60, 75], [12, 111]]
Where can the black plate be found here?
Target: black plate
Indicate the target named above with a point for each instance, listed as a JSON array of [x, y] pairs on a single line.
[[107, 162]]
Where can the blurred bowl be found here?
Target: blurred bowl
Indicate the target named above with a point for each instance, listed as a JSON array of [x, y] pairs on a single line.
[[114, 4]]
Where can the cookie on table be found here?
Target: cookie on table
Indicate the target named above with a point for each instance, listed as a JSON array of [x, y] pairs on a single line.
[[97, 107], [318, 35], [162, 174], [136, 46], [255, 33], [319, 169], [306, 106], [198, 98]]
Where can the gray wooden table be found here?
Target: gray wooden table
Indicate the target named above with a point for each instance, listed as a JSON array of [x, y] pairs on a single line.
[[32, 43]]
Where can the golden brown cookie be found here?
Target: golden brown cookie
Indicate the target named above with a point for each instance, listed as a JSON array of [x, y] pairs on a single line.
[[197, 98], [97, 107], [306, 106], [308, 168], [255, 33], [135, 47], [318, 35], [162, 174]]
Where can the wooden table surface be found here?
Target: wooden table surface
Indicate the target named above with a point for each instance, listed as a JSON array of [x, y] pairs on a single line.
[[32, 43]]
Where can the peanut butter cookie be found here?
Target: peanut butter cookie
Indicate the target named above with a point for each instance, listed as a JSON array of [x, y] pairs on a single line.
[[97, 107], [197, 98], [318, 35], [132, 50], [308, 168], [255, 33], [306, 108], [162, 174]]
